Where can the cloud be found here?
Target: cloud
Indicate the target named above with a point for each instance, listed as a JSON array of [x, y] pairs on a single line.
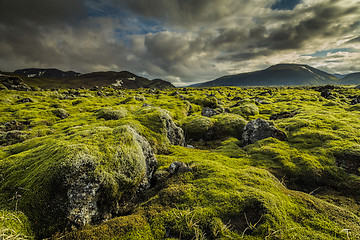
[[180, 40]]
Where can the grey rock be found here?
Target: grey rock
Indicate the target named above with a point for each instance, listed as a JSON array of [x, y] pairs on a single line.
[[174, 133], [26, 100], [178, 167], [85, 199], [209, 112], [12, 137], [15, 83], [61, 113], [260, 129]]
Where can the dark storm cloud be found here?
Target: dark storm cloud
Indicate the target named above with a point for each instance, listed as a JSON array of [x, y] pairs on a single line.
[[186, 13], [326, 21], [179, 40], [23, 23], [42, 12]]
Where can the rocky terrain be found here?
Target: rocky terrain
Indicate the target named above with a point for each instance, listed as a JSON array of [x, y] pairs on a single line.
[[185, 163]]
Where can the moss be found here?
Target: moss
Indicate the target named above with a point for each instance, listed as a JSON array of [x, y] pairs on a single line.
[[127, 227], [110, 114], [246, 109], [197, 127], [14, 225], [304, 187], [228, 125]]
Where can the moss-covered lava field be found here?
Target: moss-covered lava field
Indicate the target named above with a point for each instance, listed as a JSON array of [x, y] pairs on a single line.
[[185, 163]]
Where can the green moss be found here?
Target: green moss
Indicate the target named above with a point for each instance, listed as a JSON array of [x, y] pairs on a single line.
[[302, 188], [110, 114], [197, 127], [228, 125], [246, 109], [14, 225]]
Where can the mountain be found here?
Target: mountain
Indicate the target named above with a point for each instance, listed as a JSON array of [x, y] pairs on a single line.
[[54, 78], [351, 79], [52, 73], [339, 75], [280, 74]]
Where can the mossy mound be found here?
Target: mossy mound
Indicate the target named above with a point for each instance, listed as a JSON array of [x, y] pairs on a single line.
[[198, 127], [78, 178], [228, 125], [110, 114], [245, 108], [159, 121]]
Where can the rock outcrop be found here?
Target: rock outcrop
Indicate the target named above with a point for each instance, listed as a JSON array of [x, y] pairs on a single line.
[[260, 129], [209, 112], [14, 83], [163, 123], [81, 181]]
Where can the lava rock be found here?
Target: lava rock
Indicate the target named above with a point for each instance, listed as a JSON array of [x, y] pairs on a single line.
[[209, 112], [326, 93], [12, 137], [260, 129], [15, 83], [61, 113], [282, 115], [26, 100], [178, 167]]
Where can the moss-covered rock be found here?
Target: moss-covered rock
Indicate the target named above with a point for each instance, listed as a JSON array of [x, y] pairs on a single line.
[[160, 121], [260, 129], [61, 113], [111, 114], [78, 179], [228, 125], [198, 127], [245, 108]]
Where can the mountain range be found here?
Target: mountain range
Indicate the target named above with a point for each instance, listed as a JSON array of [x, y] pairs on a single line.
[[276, 75], [283, 74], [55, 78]]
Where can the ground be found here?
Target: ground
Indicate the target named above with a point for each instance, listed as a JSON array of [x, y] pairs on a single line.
[[305, 186]]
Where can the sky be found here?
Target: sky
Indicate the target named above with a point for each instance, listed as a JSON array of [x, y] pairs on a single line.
[[182, 41]]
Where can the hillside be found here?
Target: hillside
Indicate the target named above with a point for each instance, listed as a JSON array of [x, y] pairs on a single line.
[[351, 79], [208, 163], [281, 74], [51, 73], [54, 78]]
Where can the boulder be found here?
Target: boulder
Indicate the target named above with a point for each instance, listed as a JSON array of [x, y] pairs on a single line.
[[160, 121], [72, 181], [12, 137], [209, 112], [13, 125], [283, 115], [260, 129], [61, 113], [26, 100], [112, 114], [15, 83], [198, 127], [326, 93], [355, 100], [178, 167]]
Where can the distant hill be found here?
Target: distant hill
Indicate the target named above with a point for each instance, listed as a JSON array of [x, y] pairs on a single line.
[[280, 74], [339, 75], [46, 73], [54, 78], [351, 79]]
